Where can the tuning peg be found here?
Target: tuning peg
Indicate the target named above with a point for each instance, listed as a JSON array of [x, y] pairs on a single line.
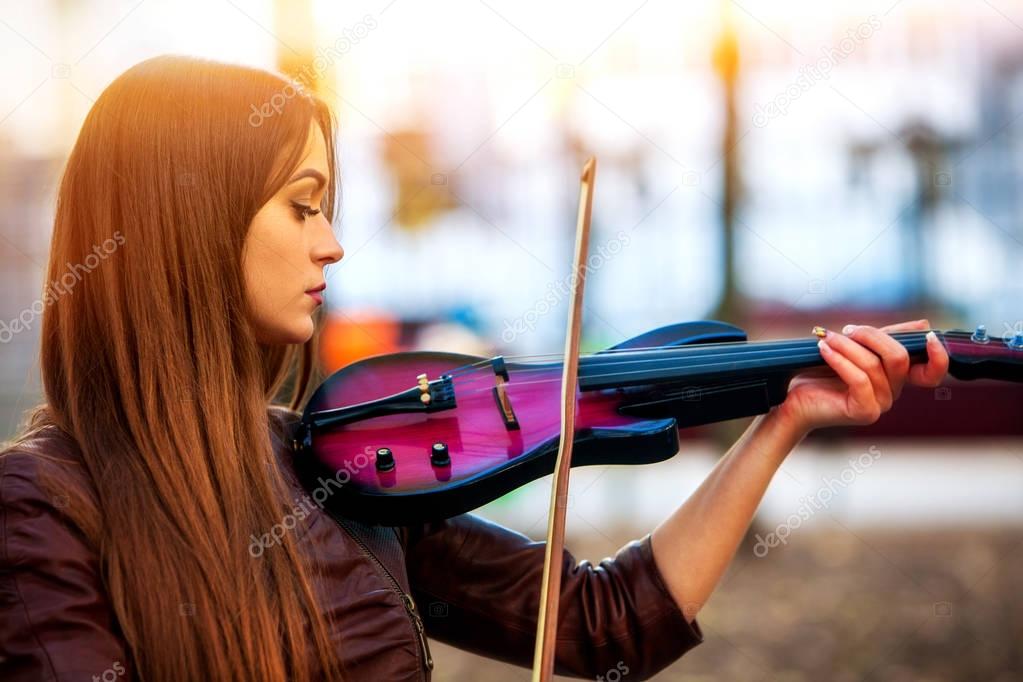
[[980, 335], [1016, 342]]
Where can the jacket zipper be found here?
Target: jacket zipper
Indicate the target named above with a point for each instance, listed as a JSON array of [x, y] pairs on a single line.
[[417, 622], [406, 599]]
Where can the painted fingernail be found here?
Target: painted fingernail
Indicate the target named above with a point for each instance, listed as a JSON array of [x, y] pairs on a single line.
[[848, 329]]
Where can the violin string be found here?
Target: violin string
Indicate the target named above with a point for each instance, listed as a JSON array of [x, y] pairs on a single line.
[[706, 391], [695, 349], [719, 344], [522, 376], [604, 353], [683, 362], [708, 366], [486, 362], [676, 392], [557, 380], [751, 351]]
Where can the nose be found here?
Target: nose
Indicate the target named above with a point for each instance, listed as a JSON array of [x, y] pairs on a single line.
[[327, 250]]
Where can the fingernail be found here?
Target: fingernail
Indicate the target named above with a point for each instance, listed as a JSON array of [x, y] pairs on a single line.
[[823, 345], [848, 329], [932, 337]]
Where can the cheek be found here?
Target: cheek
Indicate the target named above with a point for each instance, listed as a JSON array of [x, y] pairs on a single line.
[[270, 279], [274, 249], [261, 270], [261, 276]]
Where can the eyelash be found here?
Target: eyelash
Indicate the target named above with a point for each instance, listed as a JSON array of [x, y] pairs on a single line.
[[304, 211]]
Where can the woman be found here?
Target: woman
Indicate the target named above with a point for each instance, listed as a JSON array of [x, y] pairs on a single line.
[[130, 501]]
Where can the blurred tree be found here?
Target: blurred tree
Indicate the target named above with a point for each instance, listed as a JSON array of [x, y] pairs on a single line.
[[421, 194], [726, 63]]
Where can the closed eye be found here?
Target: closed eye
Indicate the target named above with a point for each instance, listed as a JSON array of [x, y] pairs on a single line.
[[304, 210]]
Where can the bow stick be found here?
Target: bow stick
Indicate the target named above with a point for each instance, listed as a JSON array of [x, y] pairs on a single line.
[[550, 592]]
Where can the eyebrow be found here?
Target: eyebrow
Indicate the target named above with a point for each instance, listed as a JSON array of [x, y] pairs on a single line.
[[309, 173]]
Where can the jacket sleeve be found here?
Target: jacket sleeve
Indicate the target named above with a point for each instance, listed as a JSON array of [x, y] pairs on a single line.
[[478, 587], [55, 620]]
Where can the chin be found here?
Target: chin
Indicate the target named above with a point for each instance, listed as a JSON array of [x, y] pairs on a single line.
[[285, 335], [303, 332]]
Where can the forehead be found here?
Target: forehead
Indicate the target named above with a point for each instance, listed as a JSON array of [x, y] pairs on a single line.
[[314, 155]]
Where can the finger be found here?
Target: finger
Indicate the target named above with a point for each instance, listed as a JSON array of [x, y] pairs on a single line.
[[915, 325], [894, 356], [932, 373], [868, 362], [861, 405]]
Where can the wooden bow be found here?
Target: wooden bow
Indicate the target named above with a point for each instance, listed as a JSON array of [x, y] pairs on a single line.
[[550, 592]]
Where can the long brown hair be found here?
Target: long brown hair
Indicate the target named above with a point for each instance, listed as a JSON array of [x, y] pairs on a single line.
[[150, 365]]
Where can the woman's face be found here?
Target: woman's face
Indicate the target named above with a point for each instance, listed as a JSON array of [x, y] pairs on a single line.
[[286, 249]]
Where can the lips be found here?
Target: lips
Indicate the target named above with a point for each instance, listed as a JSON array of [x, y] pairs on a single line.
[[316, 293]]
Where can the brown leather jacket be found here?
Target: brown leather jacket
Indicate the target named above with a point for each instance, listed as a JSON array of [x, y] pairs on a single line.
[[464, 581]]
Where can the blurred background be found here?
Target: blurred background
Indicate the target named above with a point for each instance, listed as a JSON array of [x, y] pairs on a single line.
[[773, 164]]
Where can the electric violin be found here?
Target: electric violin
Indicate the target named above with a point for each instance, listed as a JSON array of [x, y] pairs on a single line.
[[449, 432]]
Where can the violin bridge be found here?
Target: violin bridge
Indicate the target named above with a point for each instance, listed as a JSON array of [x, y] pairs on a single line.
[[511, 422]]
